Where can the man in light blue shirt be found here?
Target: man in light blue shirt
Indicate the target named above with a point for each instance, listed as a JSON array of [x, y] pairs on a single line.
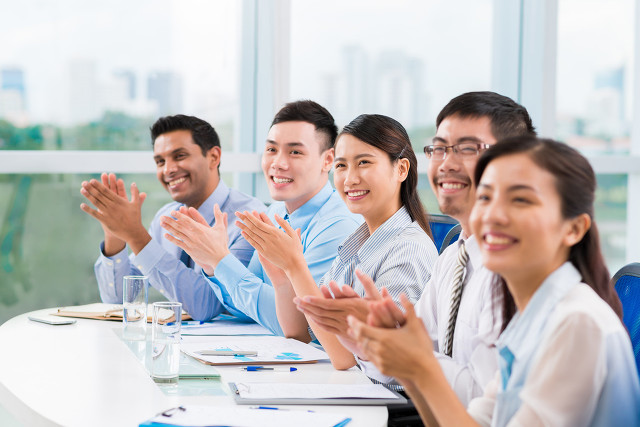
[[296, 162], [187, 155]]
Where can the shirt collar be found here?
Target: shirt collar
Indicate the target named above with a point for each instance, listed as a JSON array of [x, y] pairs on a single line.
[[360, 243], [219, 196], [301, 217], [522, 335]]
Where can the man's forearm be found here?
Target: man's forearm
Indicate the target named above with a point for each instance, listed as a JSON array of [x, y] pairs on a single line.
[[112, 244]]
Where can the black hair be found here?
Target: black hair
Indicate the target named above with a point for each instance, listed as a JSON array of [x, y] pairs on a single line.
[[391, 137], [202, 132], [310, 112], [575, 182], [508, 118]]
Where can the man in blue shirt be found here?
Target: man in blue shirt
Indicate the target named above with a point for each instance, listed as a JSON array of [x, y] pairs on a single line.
[[297, 158], [187, 155]]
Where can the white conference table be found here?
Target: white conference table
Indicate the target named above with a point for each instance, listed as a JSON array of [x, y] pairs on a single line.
[[84, 374]]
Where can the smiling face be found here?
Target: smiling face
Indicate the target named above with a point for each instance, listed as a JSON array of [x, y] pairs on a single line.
[[518, 222], [294, 163], [367, 180], [183, 171], [452, 178]]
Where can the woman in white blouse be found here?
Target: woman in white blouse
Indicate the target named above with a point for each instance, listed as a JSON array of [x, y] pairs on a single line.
[[375, 173], [565, 358]]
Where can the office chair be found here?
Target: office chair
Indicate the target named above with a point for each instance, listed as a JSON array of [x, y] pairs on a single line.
[[445, 230], [627, 285]]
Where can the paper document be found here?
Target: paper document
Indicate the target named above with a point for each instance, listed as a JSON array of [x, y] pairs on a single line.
[[101, 311], [223, 327], [312, 391], [268, 350], [201, 416]]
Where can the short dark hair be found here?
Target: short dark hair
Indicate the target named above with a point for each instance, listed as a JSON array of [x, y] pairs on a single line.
[[575, 182], [310, 112], [390, 136], [202, 132], [508, 118]]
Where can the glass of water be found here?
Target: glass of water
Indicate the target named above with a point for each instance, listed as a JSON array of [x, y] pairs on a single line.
[[165, 339], [134, 301]]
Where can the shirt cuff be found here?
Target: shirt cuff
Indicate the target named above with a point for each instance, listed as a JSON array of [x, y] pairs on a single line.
[[148, 257], [115, 259], [371, 371], [230, 270]]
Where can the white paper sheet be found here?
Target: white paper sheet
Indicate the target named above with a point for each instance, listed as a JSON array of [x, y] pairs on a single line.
[[223, 327], [197, 416], [312, 391], [270, 349]]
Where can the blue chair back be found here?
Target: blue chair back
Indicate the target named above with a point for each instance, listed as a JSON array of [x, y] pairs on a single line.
[[627, 284], [445, 230]]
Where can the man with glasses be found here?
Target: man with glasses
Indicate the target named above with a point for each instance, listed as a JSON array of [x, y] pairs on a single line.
[[456, 305]]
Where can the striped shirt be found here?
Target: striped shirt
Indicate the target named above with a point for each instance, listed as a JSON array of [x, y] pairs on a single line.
[[399, 255]]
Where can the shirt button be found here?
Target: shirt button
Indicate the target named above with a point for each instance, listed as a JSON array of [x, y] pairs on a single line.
[[140, 267], [109, 263], [118, 261], [111, 285]]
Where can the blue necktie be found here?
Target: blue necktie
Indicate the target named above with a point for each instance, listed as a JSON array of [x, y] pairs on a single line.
[[186, 259]]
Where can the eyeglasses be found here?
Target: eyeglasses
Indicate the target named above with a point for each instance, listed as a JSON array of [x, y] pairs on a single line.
[[465, 150]]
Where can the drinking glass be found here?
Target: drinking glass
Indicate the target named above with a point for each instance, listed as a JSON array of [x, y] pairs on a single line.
[[134, 301], [165, 339]]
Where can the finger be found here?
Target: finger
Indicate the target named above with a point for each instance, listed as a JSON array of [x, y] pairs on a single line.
[[410, 311], [348, 292], [385, 293], [285, 226], [325, 291], [95, 201], [221, 219], [399, 317], [104, 177], [256, 244], [335, 289], [370, 289], [265, 218], [143, 197], [382, 315], [255, 234], [94, 213], [120, 190], [135, 194], [100, 190], [179, 243], [255, 224]]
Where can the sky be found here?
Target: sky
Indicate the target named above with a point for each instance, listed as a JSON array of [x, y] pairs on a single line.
[[201, 40]]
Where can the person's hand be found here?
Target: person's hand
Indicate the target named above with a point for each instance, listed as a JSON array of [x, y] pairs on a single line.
[[400, 352], [283, 249], [331, 310], [205, 244], [119, 217]]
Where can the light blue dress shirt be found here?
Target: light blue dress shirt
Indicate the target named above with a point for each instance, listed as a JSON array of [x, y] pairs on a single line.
[[547, 377], [160, 259], [247, 292]]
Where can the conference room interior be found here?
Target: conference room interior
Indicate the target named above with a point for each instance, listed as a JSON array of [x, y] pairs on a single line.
[[81, 83]]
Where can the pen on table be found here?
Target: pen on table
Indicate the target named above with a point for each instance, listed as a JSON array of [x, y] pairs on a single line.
[[227, 353], [263, 368], [272, 408]]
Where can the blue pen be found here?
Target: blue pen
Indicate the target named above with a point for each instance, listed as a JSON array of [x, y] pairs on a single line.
[[262, 368]]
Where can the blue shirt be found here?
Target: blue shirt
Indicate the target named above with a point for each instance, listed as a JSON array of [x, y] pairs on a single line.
[[247, 292], [399, 256], [160, 259], [565, 360]]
